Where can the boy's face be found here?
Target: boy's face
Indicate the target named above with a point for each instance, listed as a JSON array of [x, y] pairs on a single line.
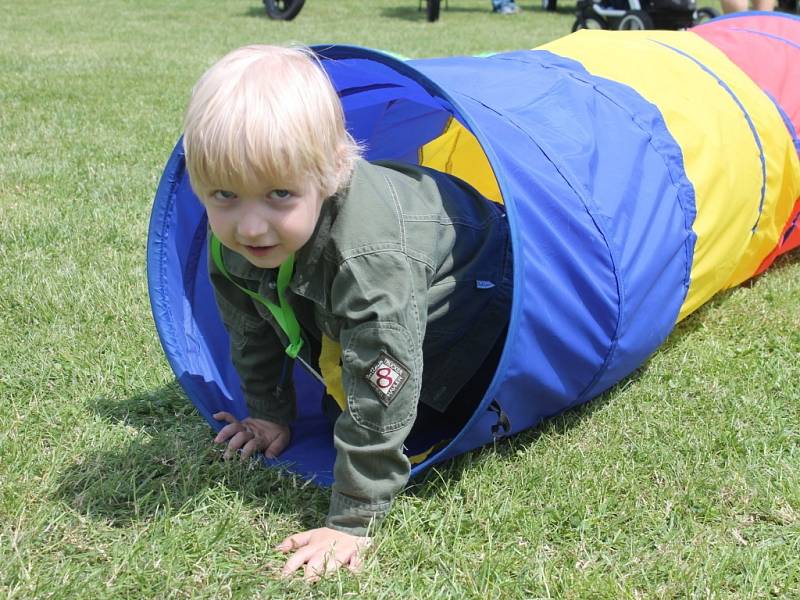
[[264, 224]]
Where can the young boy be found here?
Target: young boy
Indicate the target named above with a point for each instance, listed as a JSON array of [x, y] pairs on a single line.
[[399, 274]]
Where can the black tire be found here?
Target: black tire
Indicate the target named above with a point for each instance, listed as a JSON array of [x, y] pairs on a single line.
[[704, 14], [635, 20], [433, 10], [283, 10], [589, 23]]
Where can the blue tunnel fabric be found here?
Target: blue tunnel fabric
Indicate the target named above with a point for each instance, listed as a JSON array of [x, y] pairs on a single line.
[[572, 154], [600, 268]]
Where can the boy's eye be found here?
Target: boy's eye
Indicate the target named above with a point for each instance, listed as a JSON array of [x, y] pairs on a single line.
[[280, 194], [223, 195]]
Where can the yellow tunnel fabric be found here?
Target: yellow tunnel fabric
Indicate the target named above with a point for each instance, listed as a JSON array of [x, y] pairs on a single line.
[[331, 370], [458, 153], [735, 229]]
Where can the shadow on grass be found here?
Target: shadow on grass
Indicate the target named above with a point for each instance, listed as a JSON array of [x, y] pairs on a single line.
[[259, 12], [436, 480], [172, 463], [698, 319], [412, 13]]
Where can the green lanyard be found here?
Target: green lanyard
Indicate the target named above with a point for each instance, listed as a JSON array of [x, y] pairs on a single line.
[[283, 314]]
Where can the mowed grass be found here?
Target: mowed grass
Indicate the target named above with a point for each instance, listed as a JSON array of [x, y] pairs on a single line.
[[681, 482]]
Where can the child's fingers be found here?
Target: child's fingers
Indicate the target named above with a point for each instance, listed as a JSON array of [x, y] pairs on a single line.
[[239, 440], [250, 448], [356, 562], [340, 556], [298, 559], [275, 447], [320, 564], [236, 442], [225, 416], [227, 432], [293, 542]]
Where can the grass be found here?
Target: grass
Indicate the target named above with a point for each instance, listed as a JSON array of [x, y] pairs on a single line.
[[681, 482]]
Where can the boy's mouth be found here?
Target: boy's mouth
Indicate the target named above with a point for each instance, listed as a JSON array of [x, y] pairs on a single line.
[[259, 250]]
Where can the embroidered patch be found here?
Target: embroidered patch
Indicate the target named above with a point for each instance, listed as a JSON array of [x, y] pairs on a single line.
[[387, 376]]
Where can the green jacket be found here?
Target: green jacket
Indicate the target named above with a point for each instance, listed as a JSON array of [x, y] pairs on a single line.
[[408, 267]]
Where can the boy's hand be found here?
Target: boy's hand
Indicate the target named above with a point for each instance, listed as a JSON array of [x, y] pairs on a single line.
[[322, 551], [251, 435]]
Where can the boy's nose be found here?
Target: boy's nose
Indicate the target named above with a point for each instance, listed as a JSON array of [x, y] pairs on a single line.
[[251, 226]]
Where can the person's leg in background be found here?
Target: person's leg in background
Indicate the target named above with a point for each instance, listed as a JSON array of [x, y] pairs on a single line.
[[731, 6], [505, 7]]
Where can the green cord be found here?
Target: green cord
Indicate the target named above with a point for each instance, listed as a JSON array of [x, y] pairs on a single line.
[[283, 314]]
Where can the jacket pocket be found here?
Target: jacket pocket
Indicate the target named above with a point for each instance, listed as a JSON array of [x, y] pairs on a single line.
[[382, 369]]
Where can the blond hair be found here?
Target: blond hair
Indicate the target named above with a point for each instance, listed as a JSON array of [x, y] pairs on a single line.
[[267, 114]]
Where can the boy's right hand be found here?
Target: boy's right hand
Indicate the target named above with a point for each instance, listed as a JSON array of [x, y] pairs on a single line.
[[251, 435]]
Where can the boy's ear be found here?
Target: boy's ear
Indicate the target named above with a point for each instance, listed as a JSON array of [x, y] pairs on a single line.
[[328, 188], [343, 168]]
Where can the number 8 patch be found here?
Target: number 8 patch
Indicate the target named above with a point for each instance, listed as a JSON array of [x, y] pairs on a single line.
[[387, 376]]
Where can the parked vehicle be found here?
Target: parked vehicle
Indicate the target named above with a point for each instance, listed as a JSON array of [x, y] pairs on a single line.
[[283, 10], [640, 14]]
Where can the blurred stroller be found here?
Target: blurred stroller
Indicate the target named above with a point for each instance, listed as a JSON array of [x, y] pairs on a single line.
[[283, 10], [286, 10], [640, 14]]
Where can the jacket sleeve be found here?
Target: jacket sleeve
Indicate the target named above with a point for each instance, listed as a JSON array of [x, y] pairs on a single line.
[[256, 352], [380, 299]]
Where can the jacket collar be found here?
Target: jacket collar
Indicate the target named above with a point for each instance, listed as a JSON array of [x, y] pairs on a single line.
[[309, 255], [238, 266]]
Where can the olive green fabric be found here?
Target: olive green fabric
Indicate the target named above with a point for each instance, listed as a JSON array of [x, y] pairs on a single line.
[[408, 266]]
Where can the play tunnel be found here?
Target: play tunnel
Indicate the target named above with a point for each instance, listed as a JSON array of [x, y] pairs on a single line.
[[642, 172]]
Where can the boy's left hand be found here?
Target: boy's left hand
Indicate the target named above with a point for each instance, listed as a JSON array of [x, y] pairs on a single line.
[[322, 551], [251, 435]]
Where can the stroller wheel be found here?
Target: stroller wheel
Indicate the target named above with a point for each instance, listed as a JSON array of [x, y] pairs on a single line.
[[589, 23], [283, 10], [701, 15], [635, 20]]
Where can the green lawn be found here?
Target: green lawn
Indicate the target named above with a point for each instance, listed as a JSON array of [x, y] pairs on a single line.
[[681, 482]]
